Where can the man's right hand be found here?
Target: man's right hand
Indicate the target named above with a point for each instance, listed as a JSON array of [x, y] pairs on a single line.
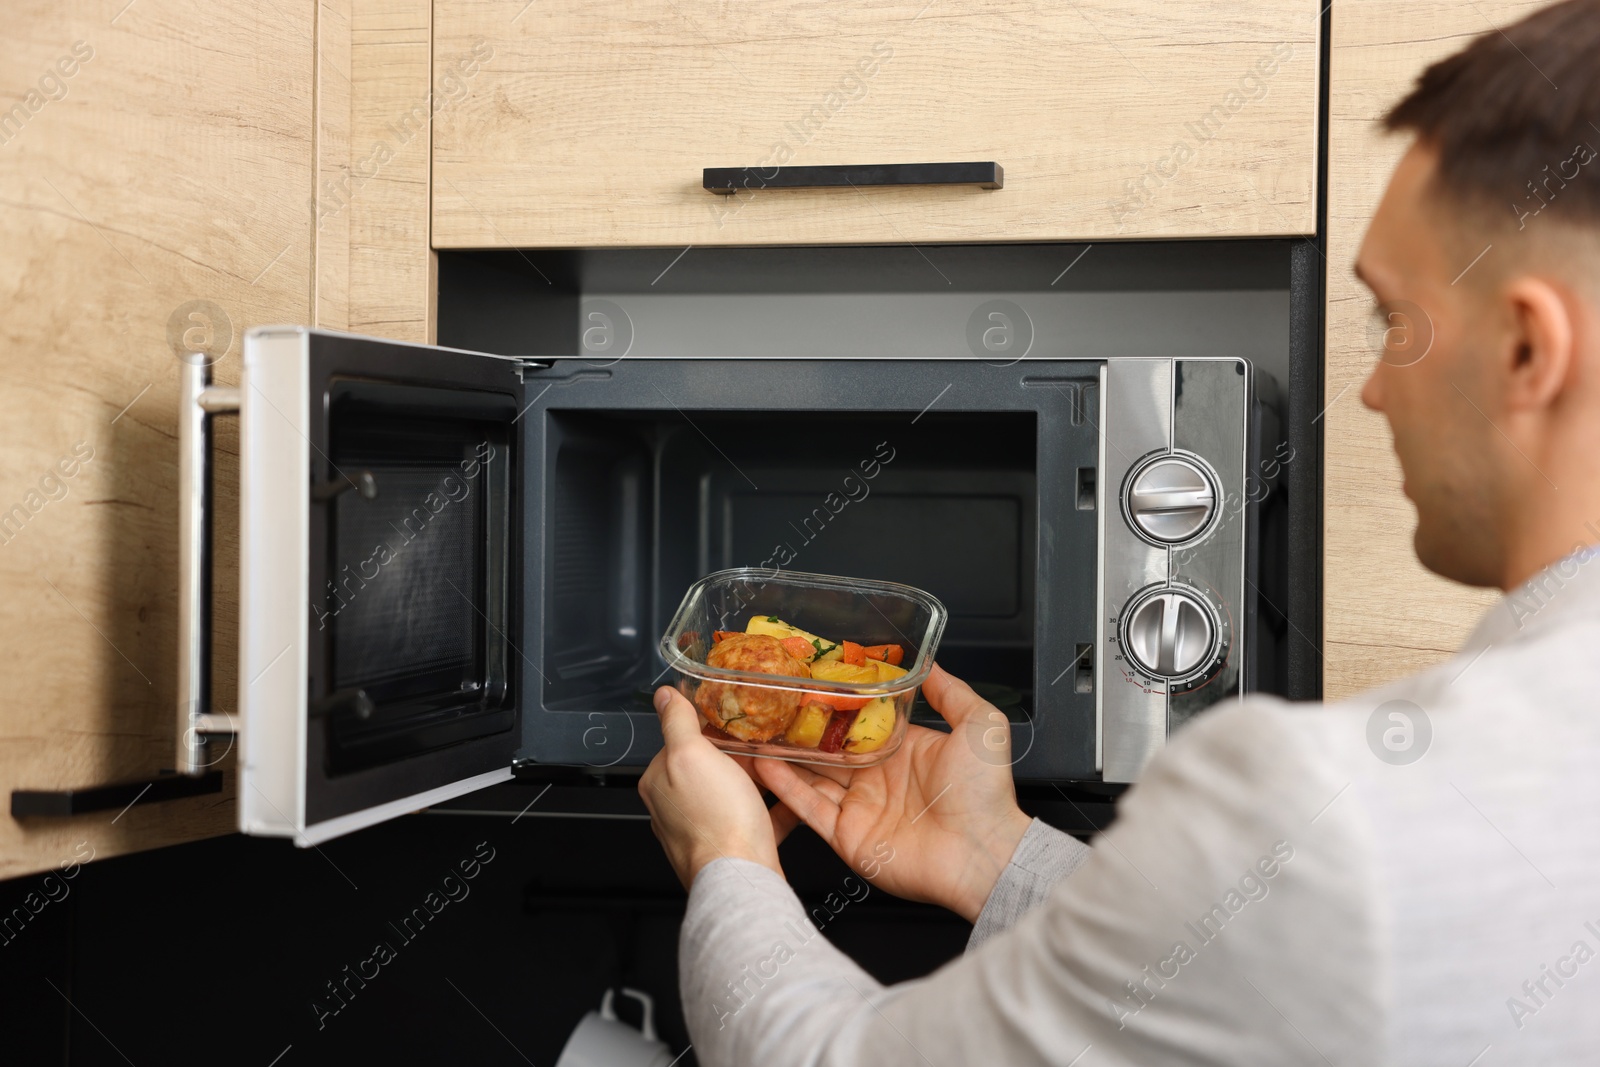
[[937, 821]]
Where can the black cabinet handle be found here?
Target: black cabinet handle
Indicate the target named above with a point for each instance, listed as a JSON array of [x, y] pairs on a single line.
[[54, 803], [728, 180]]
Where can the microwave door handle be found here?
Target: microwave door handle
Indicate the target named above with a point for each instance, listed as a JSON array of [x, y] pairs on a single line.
[[198, 400]]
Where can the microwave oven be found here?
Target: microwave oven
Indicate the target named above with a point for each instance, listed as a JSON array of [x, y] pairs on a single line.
[[456, 565], [455, 562]]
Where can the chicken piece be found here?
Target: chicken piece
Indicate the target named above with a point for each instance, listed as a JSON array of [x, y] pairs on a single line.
[[748, 712]]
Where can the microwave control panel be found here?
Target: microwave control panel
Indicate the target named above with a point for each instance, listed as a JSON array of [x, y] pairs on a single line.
[[1172, 549]]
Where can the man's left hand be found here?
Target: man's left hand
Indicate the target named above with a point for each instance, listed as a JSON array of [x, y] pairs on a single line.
[[703, 805]]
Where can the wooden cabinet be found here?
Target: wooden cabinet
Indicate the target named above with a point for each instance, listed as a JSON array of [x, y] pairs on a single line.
[[171, 173], [589, 124], [374, 267], [156, 196], [1384, 616]]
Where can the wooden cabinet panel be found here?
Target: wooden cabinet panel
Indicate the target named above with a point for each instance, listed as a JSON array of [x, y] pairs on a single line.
[[1384, 616], [155, 187], [566, 124], [375, 269]]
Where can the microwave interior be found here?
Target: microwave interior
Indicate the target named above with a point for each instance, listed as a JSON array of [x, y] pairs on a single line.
[[645, 503], [542, 513]]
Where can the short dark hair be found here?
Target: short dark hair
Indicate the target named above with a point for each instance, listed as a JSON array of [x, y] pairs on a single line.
[[1511, 115]]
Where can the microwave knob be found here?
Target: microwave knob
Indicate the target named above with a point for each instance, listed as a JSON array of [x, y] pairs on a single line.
[[1170, 633], [1170, 499]]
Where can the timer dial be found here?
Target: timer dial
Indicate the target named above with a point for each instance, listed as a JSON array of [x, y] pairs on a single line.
[[1170, 633]]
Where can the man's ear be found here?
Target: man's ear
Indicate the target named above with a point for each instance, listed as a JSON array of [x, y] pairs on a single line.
[[1541, 358]]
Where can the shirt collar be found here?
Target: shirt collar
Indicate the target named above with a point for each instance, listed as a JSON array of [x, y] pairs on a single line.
[[1567, 587]]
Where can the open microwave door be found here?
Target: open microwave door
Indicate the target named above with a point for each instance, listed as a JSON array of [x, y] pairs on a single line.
[[379, 663]]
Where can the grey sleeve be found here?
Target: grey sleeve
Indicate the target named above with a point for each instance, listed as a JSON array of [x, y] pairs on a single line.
[[1043, 857], [1226, 900], [758, 980]]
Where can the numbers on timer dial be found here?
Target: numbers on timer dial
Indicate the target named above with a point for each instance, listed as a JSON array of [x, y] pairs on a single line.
[[1169, 634]]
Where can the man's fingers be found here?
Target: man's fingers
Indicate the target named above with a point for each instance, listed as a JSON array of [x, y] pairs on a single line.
[[747, 764], [783, 821], [952, 698], [829, 786], [647, 785], [803, 798], [839, 775], [680, 723]]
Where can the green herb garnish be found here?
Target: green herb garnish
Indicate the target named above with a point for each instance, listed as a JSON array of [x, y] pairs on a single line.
[[774, 618], [816, 643]]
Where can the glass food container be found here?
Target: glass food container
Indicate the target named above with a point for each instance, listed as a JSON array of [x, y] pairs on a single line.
[[852, 653]]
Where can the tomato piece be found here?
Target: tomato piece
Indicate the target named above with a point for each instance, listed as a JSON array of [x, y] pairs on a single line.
[[854, 653], [891, 654], [838, 727]]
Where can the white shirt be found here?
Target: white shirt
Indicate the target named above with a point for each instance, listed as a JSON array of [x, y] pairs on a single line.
[[1277, 889]]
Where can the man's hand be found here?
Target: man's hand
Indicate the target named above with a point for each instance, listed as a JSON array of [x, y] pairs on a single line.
[[702, 803], [937, 821]]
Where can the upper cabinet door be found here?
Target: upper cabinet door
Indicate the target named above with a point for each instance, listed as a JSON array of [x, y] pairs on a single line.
[[590, 124], [380, 578]]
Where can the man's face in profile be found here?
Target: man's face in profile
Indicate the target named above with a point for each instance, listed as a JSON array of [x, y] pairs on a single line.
[[1429, 381]]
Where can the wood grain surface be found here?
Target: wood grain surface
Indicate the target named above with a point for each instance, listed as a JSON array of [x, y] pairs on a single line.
[[589, 124], [1384, 616], [375, 268], [160, 190]]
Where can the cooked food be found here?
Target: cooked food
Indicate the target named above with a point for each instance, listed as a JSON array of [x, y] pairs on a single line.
[[888, 671], [839, 671], [747, 712], [872, 726], [828, 722], [891, 653], [801, 642], [868, 673], [808, 726]]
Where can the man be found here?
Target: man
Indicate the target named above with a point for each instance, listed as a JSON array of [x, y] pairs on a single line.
[[1282, 886]]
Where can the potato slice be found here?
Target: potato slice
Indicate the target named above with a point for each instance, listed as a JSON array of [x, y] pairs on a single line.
[[886, 672], [806, 730], [873, 726], [772, 626], [839, 671]]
